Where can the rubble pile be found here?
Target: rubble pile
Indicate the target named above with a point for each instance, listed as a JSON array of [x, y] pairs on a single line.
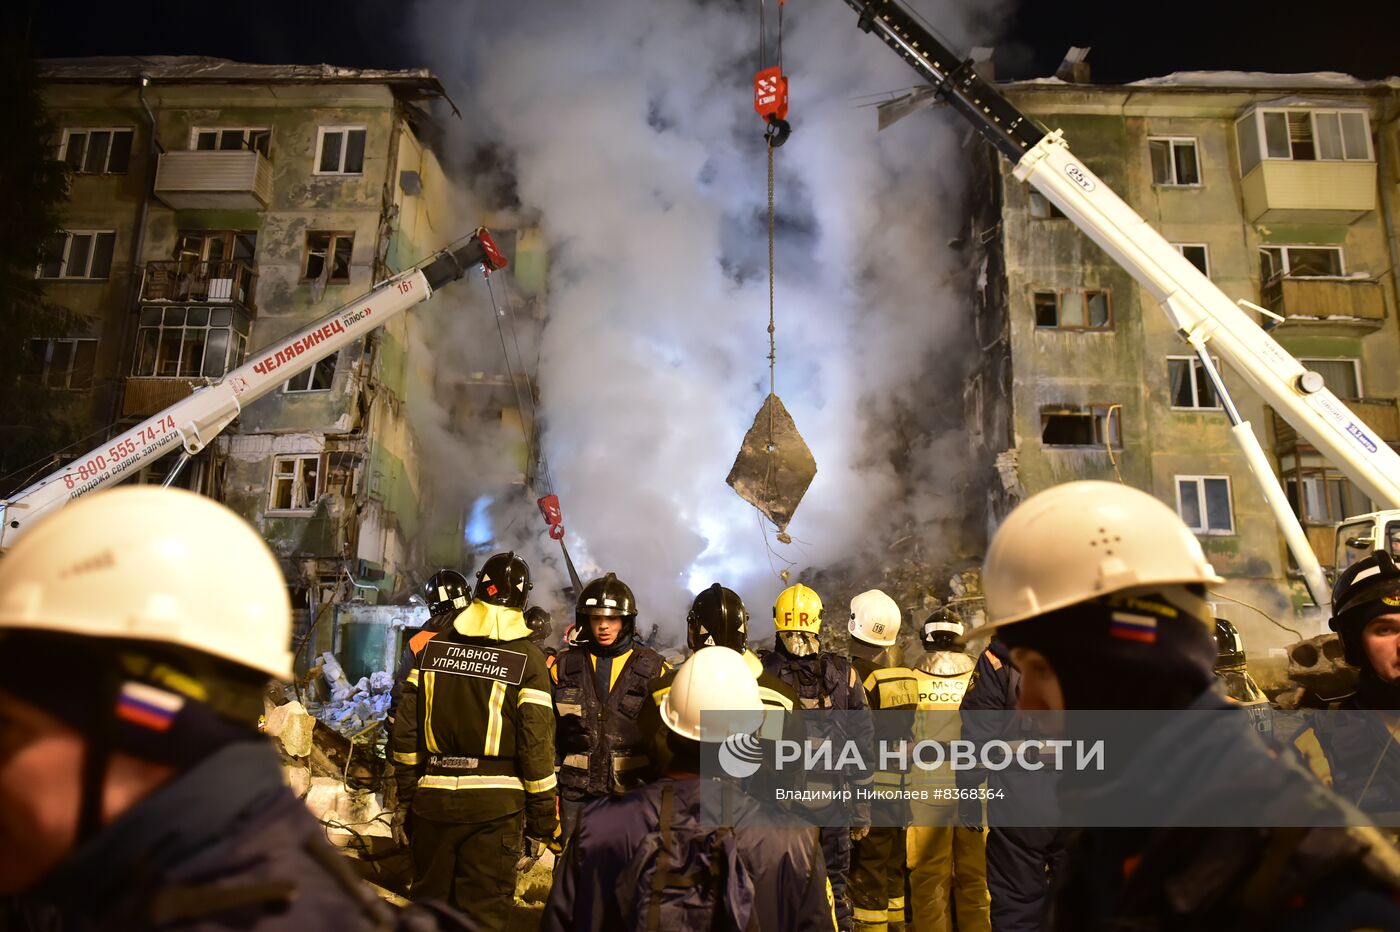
[[352, 709]]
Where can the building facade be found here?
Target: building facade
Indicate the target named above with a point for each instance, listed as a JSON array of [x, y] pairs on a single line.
[[1281, 189], [216, 207]]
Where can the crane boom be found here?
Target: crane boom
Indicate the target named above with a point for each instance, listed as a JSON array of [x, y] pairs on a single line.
[[1201, 313], [195, 420]]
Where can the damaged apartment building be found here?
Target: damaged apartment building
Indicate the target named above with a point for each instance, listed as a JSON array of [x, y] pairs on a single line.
[[216, 207], [1283, 190]]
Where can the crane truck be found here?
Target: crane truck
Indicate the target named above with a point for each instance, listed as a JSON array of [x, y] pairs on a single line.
[[1200, 312], [191, 423]]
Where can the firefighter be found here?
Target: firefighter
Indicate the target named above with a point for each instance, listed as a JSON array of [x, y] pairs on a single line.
[[1232, 669], [446, 593], [657, 859], [1098, 591], [541, 627], [600, 690], [947, 860], [1348, 745], [718, 618], [138, 629], [473, 748], [826, 682], [877, 860]]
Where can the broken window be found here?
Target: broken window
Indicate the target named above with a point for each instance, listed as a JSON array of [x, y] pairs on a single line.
[[1300, 262], [1191, 387], [1086, 426], [340, 150], [316, 379], [295, 482], [328, 254], [232, 139], [1304, 135], [1073, 309], [97, 151], [63, 364], [78, 254], [1195, 253], [1174, 161], [1203, 502], [189, 342]]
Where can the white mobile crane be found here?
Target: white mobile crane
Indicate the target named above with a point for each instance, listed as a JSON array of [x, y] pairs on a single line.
[[194, 421], [1201, 313]]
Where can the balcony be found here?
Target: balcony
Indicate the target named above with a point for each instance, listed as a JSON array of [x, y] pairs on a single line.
[[1346, 306], [143, 397], [1379, 414], [231, 282], [199, 179], [1303, 191]]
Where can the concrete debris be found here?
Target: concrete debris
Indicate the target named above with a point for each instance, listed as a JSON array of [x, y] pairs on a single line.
[[293, 726], [352, 709], [1318, 665], [1006, 466], [347, 813]]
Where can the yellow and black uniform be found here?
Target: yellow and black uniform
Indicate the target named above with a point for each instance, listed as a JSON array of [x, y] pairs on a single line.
[[473, 749], [604, 746], [947, 860], [878, 859]]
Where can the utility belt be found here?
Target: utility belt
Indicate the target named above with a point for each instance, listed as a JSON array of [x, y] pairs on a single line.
[[628, 770], [445, 772]]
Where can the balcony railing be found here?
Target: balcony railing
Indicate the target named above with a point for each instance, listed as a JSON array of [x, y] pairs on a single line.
[[199, 179], [225, 282], [1379, 414], [1358, 302], [142, 397], [1288, 191]]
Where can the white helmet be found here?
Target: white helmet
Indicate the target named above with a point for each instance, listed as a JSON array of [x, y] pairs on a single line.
[[152, 564], [875, 618], [716, 680], [1082, 540]]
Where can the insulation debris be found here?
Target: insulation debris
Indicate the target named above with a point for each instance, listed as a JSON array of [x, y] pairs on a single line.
[[353, 708]]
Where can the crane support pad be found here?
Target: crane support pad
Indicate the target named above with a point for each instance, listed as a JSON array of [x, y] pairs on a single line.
[[773, 480]]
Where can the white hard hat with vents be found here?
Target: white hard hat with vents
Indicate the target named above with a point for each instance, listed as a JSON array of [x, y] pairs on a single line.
[[716, 680], [152, 564], [1082, 540], [875, 618]]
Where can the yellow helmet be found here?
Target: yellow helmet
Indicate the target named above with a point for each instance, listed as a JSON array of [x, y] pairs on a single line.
[[798, 609]]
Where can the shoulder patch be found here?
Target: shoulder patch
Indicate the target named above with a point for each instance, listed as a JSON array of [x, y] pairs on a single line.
[[992, 658]]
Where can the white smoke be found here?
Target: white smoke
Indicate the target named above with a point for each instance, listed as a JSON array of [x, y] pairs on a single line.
[[631, 132]]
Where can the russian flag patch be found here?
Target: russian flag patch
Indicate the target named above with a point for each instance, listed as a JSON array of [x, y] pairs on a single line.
[[148, 707], [1129, 627]]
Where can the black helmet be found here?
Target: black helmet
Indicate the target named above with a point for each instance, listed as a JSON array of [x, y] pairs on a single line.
[[717, 617], [503, 580], [609, 597], [1229, 649], [1367, 589], [446, 591], [539, 623], [941, 631]]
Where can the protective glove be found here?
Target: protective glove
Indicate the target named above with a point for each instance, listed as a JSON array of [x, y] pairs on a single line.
[[545, 837], [398, 826], [970, 814], [859, 831]]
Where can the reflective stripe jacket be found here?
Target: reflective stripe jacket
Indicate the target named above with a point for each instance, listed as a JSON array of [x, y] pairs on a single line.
[[943, 678], [470, 748], [604, 745], [893, 692]]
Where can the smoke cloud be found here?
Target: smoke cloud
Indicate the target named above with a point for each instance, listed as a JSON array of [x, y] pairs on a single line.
[[628, 130]]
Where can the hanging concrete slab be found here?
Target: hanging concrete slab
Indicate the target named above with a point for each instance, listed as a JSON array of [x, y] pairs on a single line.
[[774, 466]]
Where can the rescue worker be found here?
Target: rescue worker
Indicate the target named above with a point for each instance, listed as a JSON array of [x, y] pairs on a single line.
[[541, 627], [947, 860], [718, 618], [1024, 845], [877, 860], [138, 629], [1232, 669], [824, 681], [1098, 591], [446, 593], [1353, 743], [600, 691], [655, 858], [473, 749]]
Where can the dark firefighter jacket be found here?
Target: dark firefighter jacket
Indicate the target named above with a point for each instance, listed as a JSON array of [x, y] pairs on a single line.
[[224, 846], [653, 859], [474, 736], [1354, 749], [893, 696], [604, 744], [1276, 879]]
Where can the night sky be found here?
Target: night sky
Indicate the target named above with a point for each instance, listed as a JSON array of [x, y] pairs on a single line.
[[1130, 40]]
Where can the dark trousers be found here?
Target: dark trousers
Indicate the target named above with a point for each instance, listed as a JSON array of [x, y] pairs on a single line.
[[836, 851], [569, 812], [470, 865], [877, 877], [1020, 863]]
